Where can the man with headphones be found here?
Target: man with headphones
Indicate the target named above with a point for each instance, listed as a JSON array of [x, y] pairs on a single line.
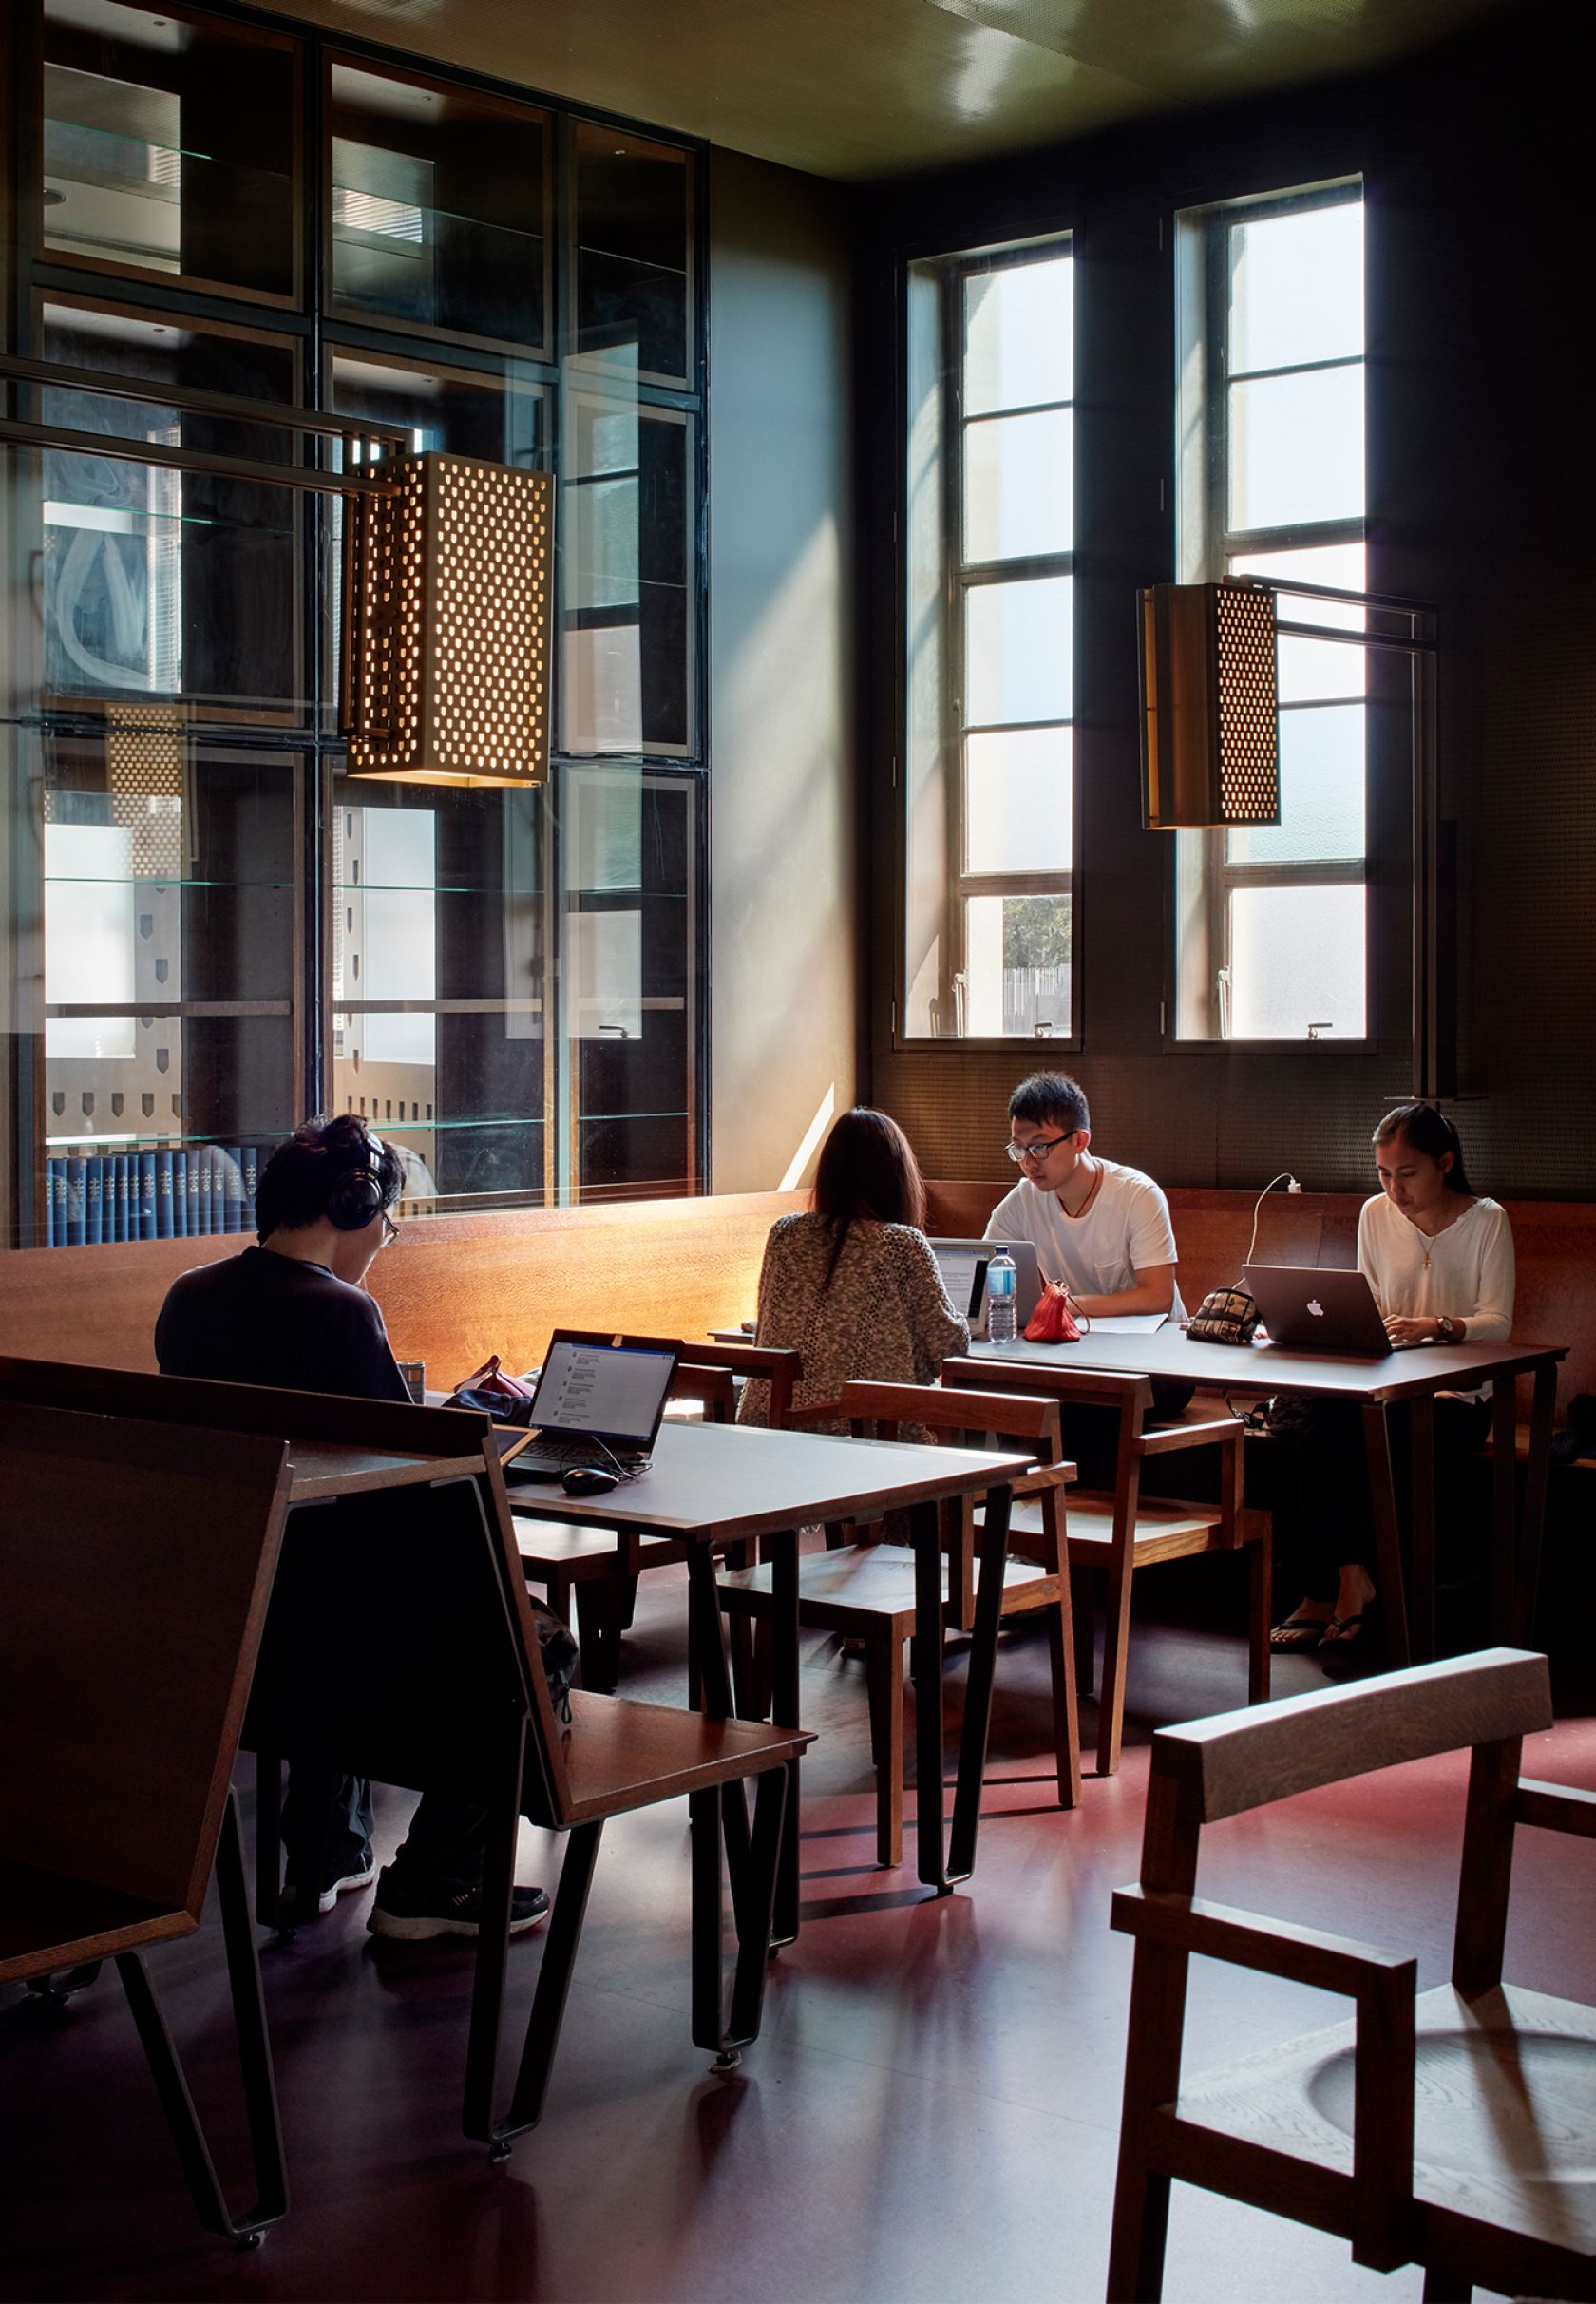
[[291, 1312]]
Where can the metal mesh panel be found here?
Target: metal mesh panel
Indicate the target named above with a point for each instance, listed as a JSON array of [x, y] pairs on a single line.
[[1248, 705], [448, 629]]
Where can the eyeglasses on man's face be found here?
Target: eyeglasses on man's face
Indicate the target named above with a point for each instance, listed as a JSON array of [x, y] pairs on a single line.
[[1038, 1148], [391, 1231]]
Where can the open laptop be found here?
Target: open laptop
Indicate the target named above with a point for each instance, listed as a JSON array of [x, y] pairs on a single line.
[[963, 1266], [1311, 1309], [596, 1404]]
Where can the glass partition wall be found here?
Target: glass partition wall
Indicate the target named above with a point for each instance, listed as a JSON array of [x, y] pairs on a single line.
[[211, 929]]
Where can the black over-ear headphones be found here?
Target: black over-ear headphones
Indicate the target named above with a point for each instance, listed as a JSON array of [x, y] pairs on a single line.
[[357, 1197]]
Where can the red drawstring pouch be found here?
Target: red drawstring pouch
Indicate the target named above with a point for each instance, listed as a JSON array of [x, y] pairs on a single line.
[[1052, 1322], [504, 1397]]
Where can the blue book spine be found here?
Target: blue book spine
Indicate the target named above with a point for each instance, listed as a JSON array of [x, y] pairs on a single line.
[[179, 1196], [76, 1201], [165, 1225], [120, 1196], [94, 1201], [233, 1190], [195, 1160], [252, 1180], [50, 1167], [146, 1195], [207, 1192], [58, 1202]]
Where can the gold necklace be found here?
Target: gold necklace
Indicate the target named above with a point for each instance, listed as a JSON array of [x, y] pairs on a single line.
[[1429, 1240]]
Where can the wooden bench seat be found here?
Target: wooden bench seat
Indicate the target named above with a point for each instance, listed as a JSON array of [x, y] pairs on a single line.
[[621, 1755]]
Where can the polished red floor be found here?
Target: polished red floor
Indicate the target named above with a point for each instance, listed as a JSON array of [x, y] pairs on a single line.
[[932, 2112]]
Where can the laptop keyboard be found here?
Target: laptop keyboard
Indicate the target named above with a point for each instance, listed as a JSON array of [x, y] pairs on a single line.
[[535, 1462]]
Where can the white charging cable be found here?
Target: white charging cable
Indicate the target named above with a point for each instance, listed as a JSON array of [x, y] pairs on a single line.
[[1291, 1185]]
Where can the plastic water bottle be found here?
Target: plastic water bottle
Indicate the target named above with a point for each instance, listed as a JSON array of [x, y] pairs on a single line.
[[1001, 1282]]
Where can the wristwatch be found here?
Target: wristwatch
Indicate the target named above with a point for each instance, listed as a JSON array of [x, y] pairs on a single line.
[[1447, 1327]]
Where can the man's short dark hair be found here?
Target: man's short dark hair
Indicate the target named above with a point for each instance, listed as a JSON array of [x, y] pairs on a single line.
[[298, 1179], [1050, 1099]]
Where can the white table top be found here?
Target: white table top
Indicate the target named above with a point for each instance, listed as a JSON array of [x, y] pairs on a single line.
[[728, 1480]]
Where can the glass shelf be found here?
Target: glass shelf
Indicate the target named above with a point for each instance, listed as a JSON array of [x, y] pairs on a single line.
[[163, 522], [635, 263], [144, 880]]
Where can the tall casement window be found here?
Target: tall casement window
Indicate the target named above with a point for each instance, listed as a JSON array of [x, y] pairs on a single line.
[[1272, 925], [987, 770], [209, 928]]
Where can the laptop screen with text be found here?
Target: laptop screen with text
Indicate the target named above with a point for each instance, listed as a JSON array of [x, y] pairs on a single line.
[[607, 1392]]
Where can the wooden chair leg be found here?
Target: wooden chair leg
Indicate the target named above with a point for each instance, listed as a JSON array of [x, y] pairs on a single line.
[[1260, 1555], [1141, 2223], [1116, 1647], [1066, 1716], [1083, 1607], [884, 1668]]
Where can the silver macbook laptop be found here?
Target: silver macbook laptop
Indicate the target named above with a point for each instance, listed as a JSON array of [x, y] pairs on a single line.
[[1315, 1310], [596, 1404], [963, 1266]]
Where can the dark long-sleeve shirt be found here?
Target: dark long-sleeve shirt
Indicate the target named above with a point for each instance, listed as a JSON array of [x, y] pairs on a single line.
[[263, 1319]]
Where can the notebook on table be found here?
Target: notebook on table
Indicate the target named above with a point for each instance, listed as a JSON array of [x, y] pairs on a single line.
[[963, 1264], [1314, 1310], [597, 1404]]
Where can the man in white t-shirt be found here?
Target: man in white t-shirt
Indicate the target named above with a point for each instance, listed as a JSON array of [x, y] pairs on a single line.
[[1101, 1231]]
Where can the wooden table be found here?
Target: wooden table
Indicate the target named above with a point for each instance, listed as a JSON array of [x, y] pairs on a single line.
[[717, 1484], [1255, 1371]]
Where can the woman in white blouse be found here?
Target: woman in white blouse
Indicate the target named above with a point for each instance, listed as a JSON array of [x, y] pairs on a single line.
[[1440, 1259]]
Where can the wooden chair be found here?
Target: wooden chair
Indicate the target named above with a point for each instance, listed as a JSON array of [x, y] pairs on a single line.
[[136, 1564], [1121, 1532], [588, 1574], [445, 1690], [1452, 2130], [866, 1592]]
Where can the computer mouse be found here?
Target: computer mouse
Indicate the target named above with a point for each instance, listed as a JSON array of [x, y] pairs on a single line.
[[589, 1480]]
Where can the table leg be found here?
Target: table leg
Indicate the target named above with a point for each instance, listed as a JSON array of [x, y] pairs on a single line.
[[1534, 1524], [1388, 1545], [1504, 1508], [706, 1667], [925, 1535], [783, 1557], [1421, 1479], [978, 1692]]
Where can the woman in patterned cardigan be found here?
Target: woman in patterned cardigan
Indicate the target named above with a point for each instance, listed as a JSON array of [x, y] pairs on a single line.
[[853, 1287]]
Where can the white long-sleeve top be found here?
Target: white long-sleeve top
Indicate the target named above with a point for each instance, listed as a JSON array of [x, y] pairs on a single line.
[[1465, 1273]]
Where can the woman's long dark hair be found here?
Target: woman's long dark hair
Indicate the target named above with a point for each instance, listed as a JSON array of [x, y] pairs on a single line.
[[1429, 1131], [867, 1169]]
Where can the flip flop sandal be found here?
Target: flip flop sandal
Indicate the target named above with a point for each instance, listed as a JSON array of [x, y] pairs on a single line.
[[1299, 1632]]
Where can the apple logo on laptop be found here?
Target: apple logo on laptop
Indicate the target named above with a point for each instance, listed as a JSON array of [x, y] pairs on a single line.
[[1315, 1307]]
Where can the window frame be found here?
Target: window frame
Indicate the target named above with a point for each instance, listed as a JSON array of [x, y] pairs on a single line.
[[959, 579], [1207, 558]]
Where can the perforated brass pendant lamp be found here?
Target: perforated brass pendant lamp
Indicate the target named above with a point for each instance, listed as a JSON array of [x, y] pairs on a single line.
[[1210, 736], [446, 628]]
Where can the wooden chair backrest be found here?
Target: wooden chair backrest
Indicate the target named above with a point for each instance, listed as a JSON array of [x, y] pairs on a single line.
[[884, 1408], [136, 1562], [714, 1389], [1079, 1387], [1239, 1761], [399, 1642], [780, 1369], [389, 1425]]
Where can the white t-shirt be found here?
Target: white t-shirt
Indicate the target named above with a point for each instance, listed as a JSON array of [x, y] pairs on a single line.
[[1126, 1229], [1467, 1271]]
